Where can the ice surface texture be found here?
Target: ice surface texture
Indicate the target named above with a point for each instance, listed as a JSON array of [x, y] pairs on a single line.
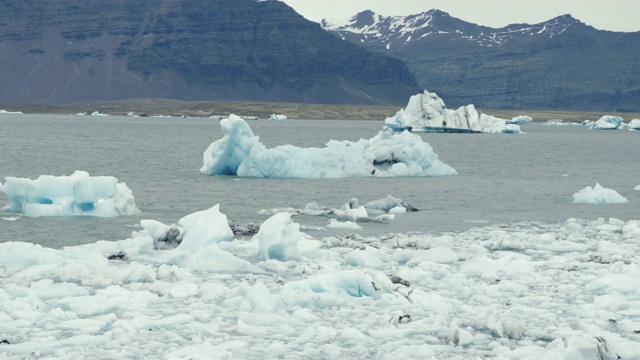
[[241, 153], [77, 194], [526, 290], [427, 112]]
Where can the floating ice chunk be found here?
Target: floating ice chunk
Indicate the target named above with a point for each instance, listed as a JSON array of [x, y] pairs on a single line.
[[162, 235], [520, 120], [637, 188], [199, 250], [344, 283], [426, 112], [5, 112], [278, 238], [634, 124], [607, 122], [458, 335], [277, 117], [398, 210], [97, 113], [385, 205], [240, 153], [598, 195], [364, 258], [77, 194], [20, 255], [335, 224]]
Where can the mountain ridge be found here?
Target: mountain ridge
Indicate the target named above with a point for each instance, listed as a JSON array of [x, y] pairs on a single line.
[[561, 63], [71, 50]]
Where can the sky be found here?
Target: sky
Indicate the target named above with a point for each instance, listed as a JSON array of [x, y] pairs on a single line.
[[613, 15]]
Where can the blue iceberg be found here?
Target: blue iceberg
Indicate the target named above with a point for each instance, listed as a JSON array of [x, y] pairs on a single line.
[[241, 153]]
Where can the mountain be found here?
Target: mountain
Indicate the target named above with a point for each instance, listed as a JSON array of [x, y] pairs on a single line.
[[558, 64], [89, 50]]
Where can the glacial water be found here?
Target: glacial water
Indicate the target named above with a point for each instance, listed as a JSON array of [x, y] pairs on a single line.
[[502, 178]]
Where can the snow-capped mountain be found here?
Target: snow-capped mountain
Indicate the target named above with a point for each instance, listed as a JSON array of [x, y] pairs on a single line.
[[392, 31], [559, 63]]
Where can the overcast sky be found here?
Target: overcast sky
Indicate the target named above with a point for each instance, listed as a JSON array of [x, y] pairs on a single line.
[[615, 15]]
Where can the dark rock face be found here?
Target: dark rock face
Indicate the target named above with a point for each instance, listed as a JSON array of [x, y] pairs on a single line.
[[558, 64], [72, 50]]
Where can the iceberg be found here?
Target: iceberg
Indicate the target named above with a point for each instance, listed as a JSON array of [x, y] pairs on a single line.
[[634, 124], [77, 194], [598, 195], [607, 122], [427, 112], [241, 153], [277, 117], [5, 112]]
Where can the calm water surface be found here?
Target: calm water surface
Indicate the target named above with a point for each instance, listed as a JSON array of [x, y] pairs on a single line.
[[502, 178]]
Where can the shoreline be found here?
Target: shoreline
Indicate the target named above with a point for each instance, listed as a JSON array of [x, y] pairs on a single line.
[[263, 110]]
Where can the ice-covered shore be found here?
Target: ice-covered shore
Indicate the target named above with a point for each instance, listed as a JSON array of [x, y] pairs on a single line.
[[524, 290]]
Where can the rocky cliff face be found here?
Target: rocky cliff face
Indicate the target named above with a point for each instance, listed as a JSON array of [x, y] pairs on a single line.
[[558, 64], [73, 50]]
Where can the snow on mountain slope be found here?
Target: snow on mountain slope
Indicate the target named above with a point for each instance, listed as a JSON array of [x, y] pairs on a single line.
[[389, 31]]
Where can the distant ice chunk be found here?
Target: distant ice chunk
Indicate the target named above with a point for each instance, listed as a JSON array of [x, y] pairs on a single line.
[[77, 194], [278, 238], [637, 188], [520, 120], [427, 112], [97, 113], [350, 225], [560, 122], [598, 195], [5, 112], [607, 122], [240, 153], [277, 117], [387, 204], [634, 124]]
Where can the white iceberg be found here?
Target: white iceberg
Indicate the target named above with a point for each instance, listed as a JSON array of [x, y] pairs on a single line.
[[278, 238], [427, 112], [277, 117], [598, 195], [97, 113], [199, 247], [634, 124], [5, 112], [77, 194], [241, 153], [607, 122]]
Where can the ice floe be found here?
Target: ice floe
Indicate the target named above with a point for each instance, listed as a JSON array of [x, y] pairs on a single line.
[[5, 112], [427, 112], [278, 117], [607, 122], [634, 124], [522, 290], [77, 194], [598, 195], [381, 210], [241, 153]]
